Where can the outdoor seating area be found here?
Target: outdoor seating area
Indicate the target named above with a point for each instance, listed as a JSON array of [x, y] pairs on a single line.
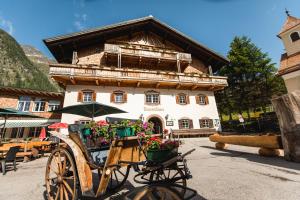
[[22, 151]]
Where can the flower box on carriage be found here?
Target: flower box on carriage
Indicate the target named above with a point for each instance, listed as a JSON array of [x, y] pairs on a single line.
[[160, 151], [161, 155]]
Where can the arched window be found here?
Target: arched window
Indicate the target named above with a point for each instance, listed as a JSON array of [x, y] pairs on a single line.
[[182, 99], [86, 96], [202, 99], [118, 97], [206, 123], [152, 97], [185, 123], [295, 36]]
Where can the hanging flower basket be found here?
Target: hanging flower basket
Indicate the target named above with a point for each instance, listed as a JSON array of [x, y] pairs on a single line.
[[161, 155], [125, 132], [87, 131]]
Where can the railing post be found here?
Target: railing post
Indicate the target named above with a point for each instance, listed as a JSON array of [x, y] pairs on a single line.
[[178, 63]]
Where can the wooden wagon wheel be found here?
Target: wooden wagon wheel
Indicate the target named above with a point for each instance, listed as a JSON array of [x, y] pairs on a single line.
[[172, 175], [156, 192], [118, 177], [61, 179]]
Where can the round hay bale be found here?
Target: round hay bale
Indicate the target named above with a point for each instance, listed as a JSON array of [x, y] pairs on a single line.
[[268, 152], [220, 145]]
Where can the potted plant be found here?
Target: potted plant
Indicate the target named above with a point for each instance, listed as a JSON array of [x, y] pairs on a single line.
[[160, 151], [125, 129]]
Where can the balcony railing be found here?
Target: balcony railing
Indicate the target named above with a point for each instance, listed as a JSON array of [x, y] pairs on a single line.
[[142, 51], [138, 75]]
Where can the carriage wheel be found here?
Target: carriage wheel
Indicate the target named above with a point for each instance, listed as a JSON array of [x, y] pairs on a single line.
[[156, 192], [118, 177], [170, 176], [61, 180]]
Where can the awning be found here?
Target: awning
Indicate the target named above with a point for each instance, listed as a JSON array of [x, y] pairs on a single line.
[[28, 123]]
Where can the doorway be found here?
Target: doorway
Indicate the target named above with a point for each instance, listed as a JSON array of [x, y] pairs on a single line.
[[158, 126]]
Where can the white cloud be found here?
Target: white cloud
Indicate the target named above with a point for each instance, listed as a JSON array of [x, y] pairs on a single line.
[[6, 25], [79, 21]]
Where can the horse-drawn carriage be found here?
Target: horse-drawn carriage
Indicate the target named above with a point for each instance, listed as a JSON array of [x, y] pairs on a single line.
[[70, 167]]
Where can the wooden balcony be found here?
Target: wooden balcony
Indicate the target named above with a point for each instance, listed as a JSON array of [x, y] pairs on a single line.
[[147, 51], [95, 75], [133, 53]]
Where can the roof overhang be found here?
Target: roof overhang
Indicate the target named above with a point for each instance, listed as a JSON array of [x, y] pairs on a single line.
[[63, 46]]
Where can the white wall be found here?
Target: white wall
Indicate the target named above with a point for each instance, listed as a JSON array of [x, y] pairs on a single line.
[[292, 81], [135, 104]]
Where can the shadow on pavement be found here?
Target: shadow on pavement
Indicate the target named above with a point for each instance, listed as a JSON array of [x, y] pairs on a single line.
[[274, 161]]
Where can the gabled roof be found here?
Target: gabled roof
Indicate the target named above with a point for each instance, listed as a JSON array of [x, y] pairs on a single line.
[[62, 46], [289, 23], [23, 91]]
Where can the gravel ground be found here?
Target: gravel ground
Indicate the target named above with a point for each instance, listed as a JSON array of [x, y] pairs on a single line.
[[236, 173]]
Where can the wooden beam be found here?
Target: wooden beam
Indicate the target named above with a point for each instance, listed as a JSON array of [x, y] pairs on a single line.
[[157, 85], [194, 87], [72, 80], [138, 84]]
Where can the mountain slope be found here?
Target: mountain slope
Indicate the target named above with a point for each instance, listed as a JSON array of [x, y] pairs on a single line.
[[40, 60], [16, 70]]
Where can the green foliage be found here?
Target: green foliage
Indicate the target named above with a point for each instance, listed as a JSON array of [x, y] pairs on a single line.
[[16, 70], [251, 78]]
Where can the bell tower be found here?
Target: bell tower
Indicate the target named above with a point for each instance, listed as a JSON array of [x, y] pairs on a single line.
[[290, 34], [289, 68]]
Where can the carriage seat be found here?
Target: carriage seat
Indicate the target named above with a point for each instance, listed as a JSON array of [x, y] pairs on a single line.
[[89, 154]]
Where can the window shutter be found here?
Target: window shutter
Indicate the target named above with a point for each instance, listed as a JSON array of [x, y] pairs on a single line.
[[179, 124], [177, 99], [187, 99], [94, 95], [206, 100], [201, 123], [211, 124], [112, 97], [79, 96], [124, 97], [191, 124], [197, 99]]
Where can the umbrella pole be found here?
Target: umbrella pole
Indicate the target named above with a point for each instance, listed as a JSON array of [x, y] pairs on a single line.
[[3, 132]]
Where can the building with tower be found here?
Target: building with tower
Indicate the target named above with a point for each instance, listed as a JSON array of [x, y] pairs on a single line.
[[144, 67], [289, 68]]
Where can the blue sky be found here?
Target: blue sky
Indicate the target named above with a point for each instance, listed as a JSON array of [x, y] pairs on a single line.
[[213, 23]]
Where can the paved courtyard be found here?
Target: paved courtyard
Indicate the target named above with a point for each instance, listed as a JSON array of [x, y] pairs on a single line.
[[236, 173]]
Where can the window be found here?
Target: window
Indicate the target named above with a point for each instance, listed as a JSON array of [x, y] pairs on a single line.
[[206, 123], [185, 124], [24, 104], [118, 97], [34, 131], [295, 36], [152, 97], [82, 122], [182, 99], [87, 96], [17, 132], [201, 99], [39, 105], [53, 105]]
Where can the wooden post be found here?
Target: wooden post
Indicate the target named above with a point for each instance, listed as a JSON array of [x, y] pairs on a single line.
[[287, 108]]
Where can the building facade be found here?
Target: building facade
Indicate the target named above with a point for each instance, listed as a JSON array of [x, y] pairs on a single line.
[[290, 60], [144, 67], [38, 103]]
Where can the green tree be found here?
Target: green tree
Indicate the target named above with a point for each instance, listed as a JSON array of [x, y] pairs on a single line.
[[251, 78]]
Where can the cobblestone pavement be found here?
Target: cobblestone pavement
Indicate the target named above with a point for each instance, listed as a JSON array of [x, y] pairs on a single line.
[[236, 173]]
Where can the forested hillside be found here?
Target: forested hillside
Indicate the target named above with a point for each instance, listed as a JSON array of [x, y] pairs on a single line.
[[16, 70]]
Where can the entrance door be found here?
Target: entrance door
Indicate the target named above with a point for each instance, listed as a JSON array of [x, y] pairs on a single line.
[[158, 127]]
